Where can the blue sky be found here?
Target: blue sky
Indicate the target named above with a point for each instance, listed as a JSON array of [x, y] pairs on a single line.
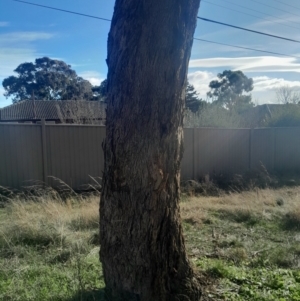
[[28, 32]]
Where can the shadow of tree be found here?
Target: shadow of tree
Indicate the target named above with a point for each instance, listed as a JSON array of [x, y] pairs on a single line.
[[89, 295]]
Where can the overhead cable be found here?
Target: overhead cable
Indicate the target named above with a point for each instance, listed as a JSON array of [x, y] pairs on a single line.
[[250, 30], [285, 11], [247, 48], [287, 4], [63, 10], [258, 17], [204, 19], [283, 19]]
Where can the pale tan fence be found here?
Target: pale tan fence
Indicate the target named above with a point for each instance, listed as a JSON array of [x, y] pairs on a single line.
[[44, 153], [224, 151], [73, 153]]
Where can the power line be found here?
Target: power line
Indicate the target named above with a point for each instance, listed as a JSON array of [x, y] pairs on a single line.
[[238, 11], [232, 3], [287, 4], [104, 19], [204, 19], [249, 14], [285, 11], [63, 10], [250, 30], [247, 48]]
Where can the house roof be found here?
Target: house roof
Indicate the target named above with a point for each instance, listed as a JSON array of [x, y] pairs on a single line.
[[53, 110]]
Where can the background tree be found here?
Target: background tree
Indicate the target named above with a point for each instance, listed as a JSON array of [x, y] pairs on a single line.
[[285, 115], [213, 116], [286, 94], [100, 91], [46, 79], [192, 100], [228, 91], [142, 247]]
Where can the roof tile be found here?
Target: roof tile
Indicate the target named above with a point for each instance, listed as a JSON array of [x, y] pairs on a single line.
[[52, 109]]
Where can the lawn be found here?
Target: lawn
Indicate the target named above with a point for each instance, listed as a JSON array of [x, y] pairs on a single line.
[[246, 246]]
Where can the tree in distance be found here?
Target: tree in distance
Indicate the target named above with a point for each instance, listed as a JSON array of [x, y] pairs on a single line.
[[142, 251], [46, 79], [286, 94], [100, 91], [228, 91], [192, 100]]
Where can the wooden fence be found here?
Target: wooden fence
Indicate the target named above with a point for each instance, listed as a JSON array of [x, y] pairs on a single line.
[[73, 153]]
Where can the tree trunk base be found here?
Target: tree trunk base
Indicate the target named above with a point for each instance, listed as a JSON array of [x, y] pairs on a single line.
[[187, 290]]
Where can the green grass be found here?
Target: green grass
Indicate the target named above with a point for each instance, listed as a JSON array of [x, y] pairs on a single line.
[[49, 251], [251, 246], [246, 246]]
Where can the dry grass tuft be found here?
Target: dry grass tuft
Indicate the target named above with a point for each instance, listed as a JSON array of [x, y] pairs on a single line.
[[47, 222], [246, 206], [292, 220]]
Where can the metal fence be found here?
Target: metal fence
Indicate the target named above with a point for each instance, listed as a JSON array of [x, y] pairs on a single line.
[[50, 154], [73, 153]]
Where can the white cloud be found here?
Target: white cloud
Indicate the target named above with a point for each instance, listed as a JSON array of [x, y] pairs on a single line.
[[250, 64], [17, 48], [264, 86], [265, 83], [94, 77], [3, 24], [26, 36], [200, 80], [11, 58]]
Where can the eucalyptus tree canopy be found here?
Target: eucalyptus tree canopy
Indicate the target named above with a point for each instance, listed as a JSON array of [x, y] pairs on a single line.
[[46, 79], [229, 90]]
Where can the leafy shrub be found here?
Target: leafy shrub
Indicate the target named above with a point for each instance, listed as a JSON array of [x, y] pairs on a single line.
[[287, 115], [213, 116]]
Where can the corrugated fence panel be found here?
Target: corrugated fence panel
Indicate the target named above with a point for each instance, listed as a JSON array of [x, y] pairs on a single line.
[[287, 149], [21, 160], [221, 151], [74, 154], [263, 148]]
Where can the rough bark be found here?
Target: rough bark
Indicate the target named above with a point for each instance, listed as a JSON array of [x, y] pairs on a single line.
[[142, 246]]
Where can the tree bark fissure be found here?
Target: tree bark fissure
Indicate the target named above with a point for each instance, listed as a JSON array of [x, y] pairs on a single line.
[[142, 246]]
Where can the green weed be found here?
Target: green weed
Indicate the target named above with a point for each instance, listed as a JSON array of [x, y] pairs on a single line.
[[246, 244]]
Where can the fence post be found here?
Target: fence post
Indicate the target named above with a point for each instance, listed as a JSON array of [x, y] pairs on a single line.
[[274, 147], [250, 148], [44, 149], [194, 154]]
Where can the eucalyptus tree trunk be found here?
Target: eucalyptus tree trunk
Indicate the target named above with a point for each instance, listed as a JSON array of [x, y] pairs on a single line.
[[142, 247]]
